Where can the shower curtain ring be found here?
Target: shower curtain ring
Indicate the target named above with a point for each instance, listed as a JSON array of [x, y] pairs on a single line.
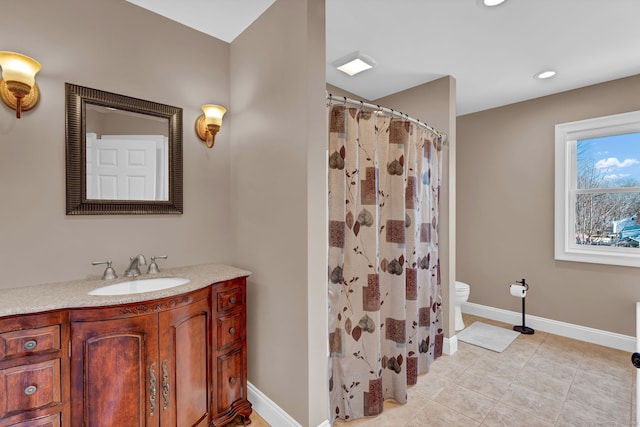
[[345, 101]]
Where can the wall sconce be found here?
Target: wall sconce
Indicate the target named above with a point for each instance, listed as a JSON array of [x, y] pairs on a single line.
[[208, 124], [18, 88]]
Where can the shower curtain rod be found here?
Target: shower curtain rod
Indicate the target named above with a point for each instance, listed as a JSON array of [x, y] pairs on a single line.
[[344, 99]]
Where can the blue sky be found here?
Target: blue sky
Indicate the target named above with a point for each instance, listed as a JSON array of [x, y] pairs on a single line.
[[617, 157]]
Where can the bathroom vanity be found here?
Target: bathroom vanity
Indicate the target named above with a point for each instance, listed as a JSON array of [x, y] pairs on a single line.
[[174, 357]]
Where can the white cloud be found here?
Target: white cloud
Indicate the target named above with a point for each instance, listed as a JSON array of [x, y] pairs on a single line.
[[613, 162]]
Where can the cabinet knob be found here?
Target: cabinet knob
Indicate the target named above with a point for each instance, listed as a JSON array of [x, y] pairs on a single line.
[[30, 345], [232, 300], [232, 380], [232, 331], [30, 390]]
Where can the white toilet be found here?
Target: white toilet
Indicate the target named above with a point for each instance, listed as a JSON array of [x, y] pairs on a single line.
[[462, 294]]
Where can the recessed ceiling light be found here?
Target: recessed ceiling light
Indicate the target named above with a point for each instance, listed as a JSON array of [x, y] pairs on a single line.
[[546, 74], [354, 63], [492, 2]]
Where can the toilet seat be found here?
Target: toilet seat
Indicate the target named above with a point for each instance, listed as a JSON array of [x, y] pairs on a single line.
[[462, 287]]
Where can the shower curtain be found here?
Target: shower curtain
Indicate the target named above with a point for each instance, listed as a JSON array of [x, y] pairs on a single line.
[[385, 317]]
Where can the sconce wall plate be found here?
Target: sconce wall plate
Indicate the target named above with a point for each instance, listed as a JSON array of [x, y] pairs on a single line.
[[201, 127], [28, 102]]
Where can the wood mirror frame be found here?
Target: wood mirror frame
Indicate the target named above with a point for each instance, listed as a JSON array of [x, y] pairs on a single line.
[[77, 98]]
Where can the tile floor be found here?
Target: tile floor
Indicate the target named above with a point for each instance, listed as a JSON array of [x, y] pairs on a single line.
[[256, 421], [540, 380]]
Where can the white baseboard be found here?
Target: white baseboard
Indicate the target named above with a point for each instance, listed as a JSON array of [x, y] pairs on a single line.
[[270, 411], [267, 408], [569, 330], [450, 345]]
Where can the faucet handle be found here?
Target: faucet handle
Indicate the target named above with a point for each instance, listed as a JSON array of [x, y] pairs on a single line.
[[109, 272], [153, 266]]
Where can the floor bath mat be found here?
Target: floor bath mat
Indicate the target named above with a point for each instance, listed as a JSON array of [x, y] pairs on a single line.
[[488, 336]]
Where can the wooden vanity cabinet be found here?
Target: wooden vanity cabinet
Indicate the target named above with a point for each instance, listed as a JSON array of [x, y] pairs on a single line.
[[174, 362], [179, 361], [142, 365], [33, 365]]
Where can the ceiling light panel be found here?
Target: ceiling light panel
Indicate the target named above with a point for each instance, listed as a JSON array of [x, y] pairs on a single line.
[[354, 67], [354, 63]]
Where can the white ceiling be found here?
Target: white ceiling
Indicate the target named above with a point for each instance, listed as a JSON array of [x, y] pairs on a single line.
[[222, 19], [493, 53]]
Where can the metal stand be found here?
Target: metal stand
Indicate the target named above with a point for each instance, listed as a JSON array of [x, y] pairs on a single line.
[[523, 329]]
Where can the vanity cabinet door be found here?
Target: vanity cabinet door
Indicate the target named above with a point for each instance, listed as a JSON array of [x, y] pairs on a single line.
[[115, 372], [185, 351]]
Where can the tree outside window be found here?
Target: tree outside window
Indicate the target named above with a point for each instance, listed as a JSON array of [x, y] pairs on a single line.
[[607, 191]]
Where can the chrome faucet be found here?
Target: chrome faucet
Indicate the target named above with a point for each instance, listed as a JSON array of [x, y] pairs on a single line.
[[134, 266]]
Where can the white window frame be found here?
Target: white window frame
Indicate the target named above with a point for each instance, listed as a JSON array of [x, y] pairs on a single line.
[[567, 135]]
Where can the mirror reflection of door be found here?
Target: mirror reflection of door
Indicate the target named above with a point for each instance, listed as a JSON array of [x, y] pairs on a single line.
[[127, 167], [127, 155]]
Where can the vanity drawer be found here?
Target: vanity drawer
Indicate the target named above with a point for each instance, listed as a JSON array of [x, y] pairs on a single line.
[[229, 329], [230, 299], [26, 342], [50, 421], [231, 381], [28, 387]]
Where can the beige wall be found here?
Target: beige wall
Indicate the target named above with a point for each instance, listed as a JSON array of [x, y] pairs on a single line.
[[506, 206], [117, 47], [435, 104], [279, 202]]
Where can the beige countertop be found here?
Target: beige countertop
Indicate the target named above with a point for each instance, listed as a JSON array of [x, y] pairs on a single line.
[[74, 294]]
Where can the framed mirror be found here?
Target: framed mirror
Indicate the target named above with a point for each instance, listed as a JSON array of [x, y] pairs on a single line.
[[123, 154]]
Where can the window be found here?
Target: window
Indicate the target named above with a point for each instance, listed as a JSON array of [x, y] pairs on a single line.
[[597, 194]]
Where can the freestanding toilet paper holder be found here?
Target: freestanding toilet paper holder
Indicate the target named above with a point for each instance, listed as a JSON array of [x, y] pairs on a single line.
[[523, 329]]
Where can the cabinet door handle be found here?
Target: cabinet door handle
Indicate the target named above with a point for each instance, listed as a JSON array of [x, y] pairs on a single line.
[[232, 300], [232, 380], [152, 388], [232, 331], [30, 345], [165, 384], [30, 390]]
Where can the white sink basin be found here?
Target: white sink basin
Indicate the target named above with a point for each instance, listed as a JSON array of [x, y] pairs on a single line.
[[139, 286]]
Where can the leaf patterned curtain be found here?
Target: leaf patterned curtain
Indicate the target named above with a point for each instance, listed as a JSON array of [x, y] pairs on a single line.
[[385, 319]]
